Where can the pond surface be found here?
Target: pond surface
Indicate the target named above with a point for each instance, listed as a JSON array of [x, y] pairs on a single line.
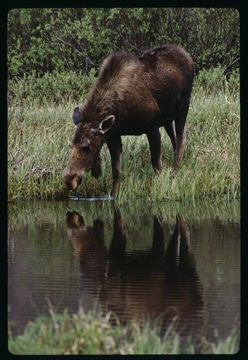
[[178, 262]]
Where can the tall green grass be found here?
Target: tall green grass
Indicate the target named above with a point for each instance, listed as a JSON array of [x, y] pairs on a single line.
[[39, 131], [92, 333]]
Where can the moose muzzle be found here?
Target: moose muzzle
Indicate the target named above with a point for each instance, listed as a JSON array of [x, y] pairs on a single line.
[[72, 182]]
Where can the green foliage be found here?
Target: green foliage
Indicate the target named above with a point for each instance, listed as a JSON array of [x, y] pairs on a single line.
[[56, 87], [213, 81], [92, 333], [59, 87], [50, 39]]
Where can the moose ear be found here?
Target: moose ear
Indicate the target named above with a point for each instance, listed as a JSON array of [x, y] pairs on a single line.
[[106, 124], [75, 116]]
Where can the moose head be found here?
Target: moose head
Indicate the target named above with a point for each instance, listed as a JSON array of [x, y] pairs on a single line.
[[88, 139]]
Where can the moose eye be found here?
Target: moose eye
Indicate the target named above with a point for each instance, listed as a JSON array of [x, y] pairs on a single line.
[[85, 145], [95, 127], [85, 149]]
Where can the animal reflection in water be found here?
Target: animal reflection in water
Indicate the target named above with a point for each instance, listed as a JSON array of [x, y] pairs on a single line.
[[140, 285]]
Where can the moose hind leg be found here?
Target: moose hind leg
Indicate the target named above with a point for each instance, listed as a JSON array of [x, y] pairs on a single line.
[[181, 136], [154, 139], [170, 129]]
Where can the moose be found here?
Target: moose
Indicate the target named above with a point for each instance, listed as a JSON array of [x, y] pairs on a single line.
[[141, 285], [132, 96]]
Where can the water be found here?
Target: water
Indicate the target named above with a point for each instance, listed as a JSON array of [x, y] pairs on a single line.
[[180, 262]]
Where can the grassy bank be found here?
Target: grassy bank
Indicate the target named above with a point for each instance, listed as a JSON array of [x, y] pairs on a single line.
[[39, 131], [92, 333], [35, 213]]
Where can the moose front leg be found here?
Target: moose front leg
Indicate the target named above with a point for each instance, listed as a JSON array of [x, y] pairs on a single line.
[[96, 169], [115, 148]]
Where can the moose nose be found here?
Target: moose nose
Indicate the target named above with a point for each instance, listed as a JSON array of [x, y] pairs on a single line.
[[74, 220], [72, 182]]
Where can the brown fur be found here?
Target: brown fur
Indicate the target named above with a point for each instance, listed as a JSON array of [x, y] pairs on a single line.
[[141, 94]]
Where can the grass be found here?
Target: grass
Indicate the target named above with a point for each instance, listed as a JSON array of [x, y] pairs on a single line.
[[38, 151], [35, 213], [92, 333]]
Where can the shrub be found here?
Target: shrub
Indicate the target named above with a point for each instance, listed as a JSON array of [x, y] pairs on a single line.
[[61, 87], [53, 87], [214, 80], [50, 39]]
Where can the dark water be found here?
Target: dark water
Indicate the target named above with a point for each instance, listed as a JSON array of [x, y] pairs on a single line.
[[180, 262]]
